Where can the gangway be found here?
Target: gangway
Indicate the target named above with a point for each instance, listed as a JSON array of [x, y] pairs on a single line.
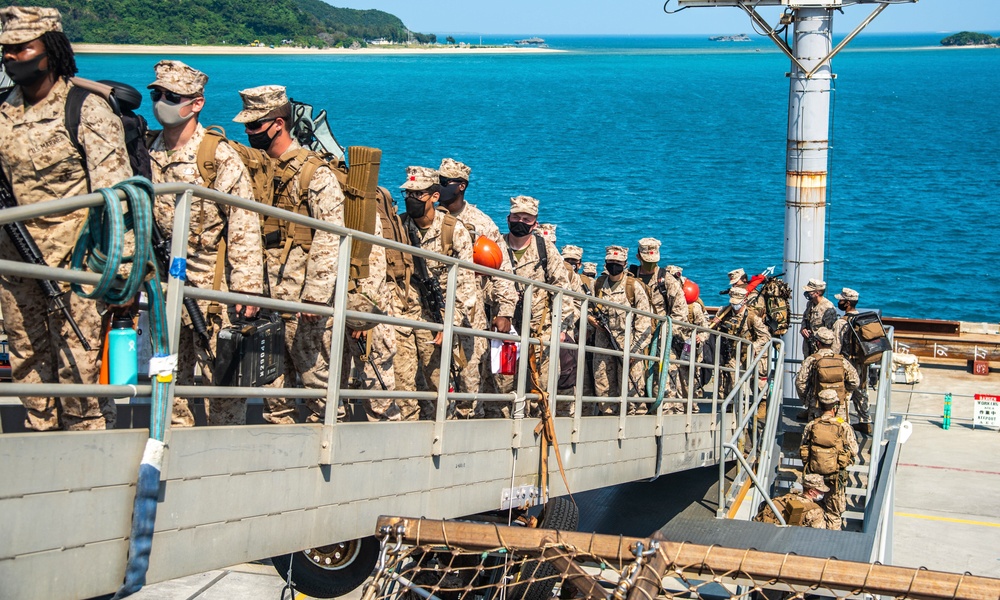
[[233, 494]]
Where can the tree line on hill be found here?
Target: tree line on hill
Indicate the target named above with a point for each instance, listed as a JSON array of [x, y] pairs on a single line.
[[969, 38], [212, 22]]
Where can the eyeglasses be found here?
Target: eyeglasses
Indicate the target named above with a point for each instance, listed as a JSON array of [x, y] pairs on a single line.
[[255, 125], [169, 97], [416, 194], [447, 181]]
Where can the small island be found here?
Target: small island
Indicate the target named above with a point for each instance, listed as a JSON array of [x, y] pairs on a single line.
[[969, 38], [742, 37]]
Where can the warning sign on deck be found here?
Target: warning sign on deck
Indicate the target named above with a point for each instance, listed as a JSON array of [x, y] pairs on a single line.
[[986, 411]]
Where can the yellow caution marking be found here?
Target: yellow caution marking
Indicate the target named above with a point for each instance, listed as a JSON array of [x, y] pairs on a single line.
[[948, 519]]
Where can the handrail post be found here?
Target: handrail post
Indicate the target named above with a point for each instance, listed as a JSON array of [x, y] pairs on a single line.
[[447, 349], [626, 374], [337, 333], [581, 370], [552, 382], [658, 428], [174, 302], [517, 405]]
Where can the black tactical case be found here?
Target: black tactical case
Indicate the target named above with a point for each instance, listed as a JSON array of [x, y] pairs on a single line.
[[251, 353]]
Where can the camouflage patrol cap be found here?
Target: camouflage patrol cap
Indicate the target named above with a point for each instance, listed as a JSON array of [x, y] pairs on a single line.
[[571, 252], [674, 270], [828, 397], [815, 285], [258, 102], [737, 293], [452, 169], [735, 275], [649, 249], [524, 204], [618, 253], [847, 294], [21, 24], [175, 76], [824, 335], [420, 178], [815, 481], [548, 231], [589, 269]]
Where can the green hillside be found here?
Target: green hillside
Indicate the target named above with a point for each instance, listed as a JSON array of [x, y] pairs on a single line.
[[304, 22], [969, 38]]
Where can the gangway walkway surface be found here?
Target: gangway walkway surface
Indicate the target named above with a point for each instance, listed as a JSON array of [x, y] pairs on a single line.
[[228, 495]]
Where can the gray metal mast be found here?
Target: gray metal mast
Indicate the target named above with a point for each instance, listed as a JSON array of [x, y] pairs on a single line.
[[807, 151]]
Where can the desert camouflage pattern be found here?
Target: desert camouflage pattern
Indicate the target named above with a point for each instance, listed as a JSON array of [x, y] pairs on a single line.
[[41, 164], [177, 77], [807, 390], [696, 316], [571, 252], [500, 294], [835, 502], [524, 204], [842, 335], [752, 329], [21, 24], [420, 178], [244, 269], [608, 369], [453, 169], [259, 101], [418, 359], [817, 314], [649, 249]]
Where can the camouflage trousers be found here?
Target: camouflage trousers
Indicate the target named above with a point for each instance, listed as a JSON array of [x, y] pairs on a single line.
[[307, 361], [608, 373], [44, 349], [192, 355], [378, 346], [835, 502], [418, 368], [859, 397], [684, 375]]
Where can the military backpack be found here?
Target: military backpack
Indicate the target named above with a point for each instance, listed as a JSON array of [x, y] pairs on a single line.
[[776, 294], [793, 509], [829, 374], [868, 339], [826, 452]]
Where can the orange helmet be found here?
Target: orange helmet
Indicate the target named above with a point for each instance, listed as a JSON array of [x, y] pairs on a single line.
[[691, 291], [486, 253]]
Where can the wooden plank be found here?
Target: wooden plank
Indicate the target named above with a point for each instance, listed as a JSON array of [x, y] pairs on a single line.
[[693, 558], [585, 584]]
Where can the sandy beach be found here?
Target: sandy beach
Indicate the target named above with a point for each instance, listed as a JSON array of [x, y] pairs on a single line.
[[266, 51]]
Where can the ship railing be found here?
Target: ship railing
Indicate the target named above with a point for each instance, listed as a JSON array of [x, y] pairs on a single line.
[[336, 394], [751, 443]]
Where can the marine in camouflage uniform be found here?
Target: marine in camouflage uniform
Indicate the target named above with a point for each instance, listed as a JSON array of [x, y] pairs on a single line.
[[807, 385], [819, 312], [843, 338], [418, 359], [743, 322], [572, 258], [497, 296], [835, 502], [696, 316], [608, 370], [173, 155], [41, 163], [811, 496], [589, 269], [523, 244], [309, 275], [666, 299]]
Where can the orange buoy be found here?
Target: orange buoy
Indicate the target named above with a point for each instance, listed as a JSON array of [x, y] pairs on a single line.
[[486, 253], [691, 291]]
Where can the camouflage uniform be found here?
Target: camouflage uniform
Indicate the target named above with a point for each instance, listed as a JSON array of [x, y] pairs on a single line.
[[553, 272], [813, 517], [209, 221], [418, 359], [608, 369], [745, 323], [835, 502], [842, 342], [41, 164], [696, 316], [807, 388], [816, 314]]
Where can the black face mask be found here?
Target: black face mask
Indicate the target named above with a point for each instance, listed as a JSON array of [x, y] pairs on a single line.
[[415, 207], [448, 194], [518, 229], [260, 140], [614, 269], [25, 72]]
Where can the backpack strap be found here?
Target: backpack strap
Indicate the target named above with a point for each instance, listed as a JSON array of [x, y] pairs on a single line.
[[78, 92], [543, 255], [214, 135], [448, 234], [630, 289]]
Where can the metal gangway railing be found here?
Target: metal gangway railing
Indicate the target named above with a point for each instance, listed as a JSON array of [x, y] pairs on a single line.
[[237, 493]]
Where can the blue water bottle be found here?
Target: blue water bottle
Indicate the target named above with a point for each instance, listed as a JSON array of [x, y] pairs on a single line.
[[123, 354]]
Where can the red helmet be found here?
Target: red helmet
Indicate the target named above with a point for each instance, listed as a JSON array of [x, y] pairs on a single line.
[[486, 253], [691, 291]]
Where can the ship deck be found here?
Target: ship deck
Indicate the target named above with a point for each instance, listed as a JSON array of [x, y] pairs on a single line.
[[945, 509]]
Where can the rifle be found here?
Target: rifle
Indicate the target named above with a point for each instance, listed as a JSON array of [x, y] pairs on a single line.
[[161, 250], [605, 324], [430, 289], [30, 254], [368, 359]]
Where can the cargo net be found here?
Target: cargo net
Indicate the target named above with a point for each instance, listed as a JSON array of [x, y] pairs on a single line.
[[438, 560]]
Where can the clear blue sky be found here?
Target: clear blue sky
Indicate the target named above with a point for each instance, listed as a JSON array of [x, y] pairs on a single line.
[[647, 16]]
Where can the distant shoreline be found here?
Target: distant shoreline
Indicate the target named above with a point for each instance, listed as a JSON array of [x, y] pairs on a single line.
[[284, 50]]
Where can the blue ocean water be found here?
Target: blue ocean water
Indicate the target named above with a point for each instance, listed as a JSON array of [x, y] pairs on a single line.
[[683, 139]]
